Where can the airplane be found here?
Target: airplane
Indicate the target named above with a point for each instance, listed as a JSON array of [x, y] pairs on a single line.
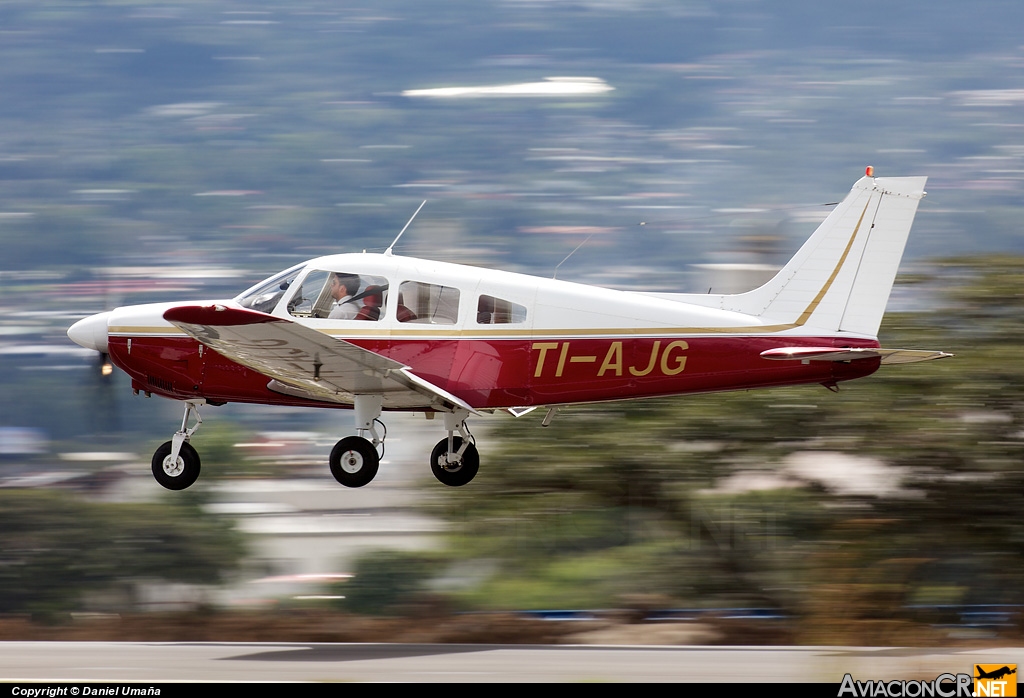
[[995, 674], [378, 331]]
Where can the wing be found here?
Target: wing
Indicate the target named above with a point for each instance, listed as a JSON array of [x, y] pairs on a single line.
[[889, 356], [306, 363]]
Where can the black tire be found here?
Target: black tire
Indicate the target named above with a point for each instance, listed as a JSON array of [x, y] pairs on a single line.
[[180, 475], [354, 461], [455, 475]]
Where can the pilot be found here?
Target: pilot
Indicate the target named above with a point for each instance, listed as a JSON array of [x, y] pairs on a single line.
[[343, 287]]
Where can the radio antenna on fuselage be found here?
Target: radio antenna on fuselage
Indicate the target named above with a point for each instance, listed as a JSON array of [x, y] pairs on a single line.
[[555, 275], [388, 250]]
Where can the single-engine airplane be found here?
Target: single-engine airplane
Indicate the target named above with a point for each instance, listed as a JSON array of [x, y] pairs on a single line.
[[379, 331]]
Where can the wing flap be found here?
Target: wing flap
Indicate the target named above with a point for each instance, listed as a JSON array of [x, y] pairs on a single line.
[[304, 362], [888, 356]]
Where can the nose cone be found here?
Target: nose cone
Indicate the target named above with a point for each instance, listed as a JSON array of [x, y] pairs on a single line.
[[91, 332]]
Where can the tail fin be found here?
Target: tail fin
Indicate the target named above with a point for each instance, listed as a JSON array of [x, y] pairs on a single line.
[[840, 280]]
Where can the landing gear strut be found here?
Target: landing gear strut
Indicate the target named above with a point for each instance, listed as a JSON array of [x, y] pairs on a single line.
[[354, 460], [176, 463], [455, 460]]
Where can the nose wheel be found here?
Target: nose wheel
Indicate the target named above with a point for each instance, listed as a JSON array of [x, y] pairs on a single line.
[[176, 473], [176, 463]]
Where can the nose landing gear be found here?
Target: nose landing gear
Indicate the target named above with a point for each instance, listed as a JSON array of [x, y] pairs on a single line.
[[176, 464]]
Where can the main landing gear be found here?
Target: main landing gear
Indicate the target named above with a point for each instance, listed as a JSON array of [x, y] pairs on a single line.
[[355, 459], [455, 460]]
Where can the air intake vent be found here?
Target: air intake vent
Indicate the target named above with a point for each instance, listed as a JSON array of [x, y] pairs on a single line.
[[159, 383]]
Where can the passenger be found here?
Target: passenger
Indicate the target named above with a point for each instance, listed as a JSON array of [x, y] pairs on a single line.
[[404, 313], [373, 299], [343, 287], [485, 310]]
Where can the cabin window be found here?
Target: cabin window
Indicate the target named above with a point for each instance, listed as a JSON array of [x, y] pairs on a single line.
[[339, 295], [429, 304], [497, 311]]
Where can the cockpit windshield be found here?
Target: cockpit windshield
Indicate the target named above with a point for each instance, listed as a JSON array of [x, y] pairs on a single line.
[[265, 295]]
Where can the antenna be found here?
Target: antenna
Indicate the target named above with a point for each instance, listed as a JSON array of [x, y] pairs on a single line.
[[555, 275], [388, 250]]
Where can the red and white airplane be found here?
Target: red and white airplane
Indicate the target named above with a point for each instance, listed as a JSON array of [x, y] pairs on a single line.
[[380, 332]]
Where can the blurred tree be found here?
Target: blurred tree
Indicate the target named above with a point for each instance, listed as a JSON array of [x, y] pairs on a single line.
[[385, 582], [221, 458], [698, 498], [55, 548]]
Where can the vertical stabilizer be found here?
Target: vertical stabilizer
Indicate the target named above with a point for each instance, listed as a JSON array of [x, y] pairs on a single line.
[[876, 270], [840, 280]]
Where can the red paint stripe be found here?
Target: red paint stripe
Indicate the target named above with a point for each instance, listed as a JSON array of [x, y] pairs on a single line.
[[217, 316]]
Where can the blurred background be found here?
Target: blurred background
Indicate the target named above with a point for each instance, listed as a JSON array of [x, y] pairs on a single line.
[[182, 150]]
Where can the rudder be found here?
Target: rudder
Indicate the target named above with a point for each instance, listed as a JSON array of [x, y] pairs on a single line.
[[887, 238]]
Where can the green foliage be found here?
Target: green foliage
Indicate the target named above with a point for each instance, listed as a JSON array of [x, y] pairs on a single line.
[[221, 458], [385, 580], [55, 548]]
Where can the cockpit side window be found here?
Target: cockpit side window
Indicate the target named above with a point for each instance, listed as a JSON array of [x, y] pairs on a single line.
[[340, 295], [428, 304], [265, 296], [497, 311]]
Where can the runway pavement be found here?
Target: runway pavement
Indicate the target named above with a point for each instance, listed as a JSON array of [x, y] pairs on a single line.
[[165, 662]]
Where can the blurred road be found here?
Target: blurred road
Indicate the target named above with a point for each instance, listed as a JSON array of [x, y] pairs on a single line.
[[159, 662], [312, 525]]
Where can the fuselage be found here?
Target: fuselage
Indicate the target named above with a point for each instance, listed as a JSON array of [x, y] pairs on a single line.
[[494, 339]]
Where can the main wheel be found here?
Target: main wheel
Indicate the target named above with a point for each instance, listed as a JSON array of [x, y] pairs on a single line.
[[454, 474], [179, 473], [354, 461]]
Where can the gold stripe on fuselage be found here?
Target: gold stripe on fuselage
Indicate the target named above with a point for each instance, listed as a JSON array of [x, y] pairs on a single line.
[[615, 333]]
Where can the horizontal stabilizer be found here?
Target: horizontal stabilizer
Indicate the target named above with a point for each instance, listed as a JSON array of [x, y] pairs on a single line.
[[889, 356]]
